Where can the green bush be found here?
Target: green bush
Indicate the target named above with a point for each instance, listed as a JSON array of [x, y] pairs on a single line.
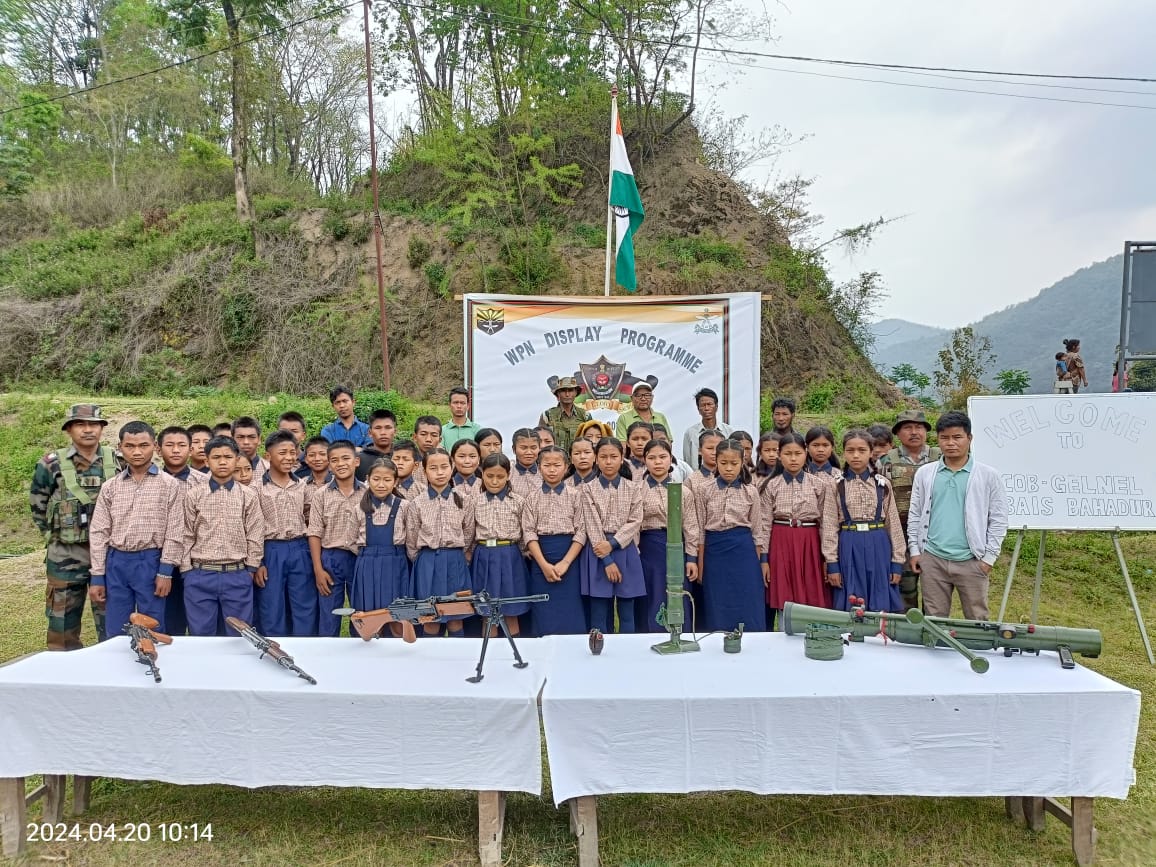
[[360, 232], [458, 233], [335, 225], [419, 251], [239, 320], [271, 207], [401, 406], [529, 258], [820, 397], [692, 250], [590, 236], [437, 277]]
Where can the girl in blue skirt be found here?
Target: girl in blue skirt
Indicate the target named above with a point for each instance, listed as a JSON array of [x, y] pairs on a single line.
[[734, 572], [612, 515], [381, 573], [652, 540], [497, 564], [863, 541], [553, 535], [439, 526]]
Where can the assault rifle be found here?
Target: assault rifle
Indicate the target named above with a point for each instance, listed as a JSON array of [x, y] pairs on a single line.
[[964, 636], [268, 647], [410, 612], [143, 640]]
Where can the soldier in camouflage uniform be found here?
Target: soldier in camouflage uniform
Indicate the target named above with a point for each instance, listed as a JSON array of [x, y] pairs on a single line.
[[564, 419], [899, 465], [63, 495]]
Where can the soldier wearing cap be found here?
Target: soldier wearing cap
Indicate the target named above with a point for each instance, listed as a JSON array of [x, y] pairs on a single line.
[[642, 409], [563, 420], [899, 465], [63, 496]]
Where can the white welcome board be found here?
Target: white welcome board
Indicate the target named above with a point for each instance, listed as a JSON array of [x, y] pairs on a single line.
[[1071, 462]]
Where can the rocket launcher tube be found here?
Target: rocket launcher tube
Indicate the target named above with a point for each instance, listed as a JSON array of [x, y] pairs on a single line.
[[973, 634]]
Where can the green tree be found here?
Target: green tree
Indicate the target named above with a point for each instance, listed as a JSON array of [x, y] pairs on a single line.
[[922, 382], [1013, 381], [904, 376], [1142, 376], [963, 362]]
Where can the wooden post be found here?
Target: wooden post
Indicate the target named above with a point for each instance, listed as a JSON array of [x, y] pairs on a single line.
[[1034, 813], [584, 824], [13, 816], [491, 819], [54, 788], [81, 794], [1083, 832], [1014, 807]]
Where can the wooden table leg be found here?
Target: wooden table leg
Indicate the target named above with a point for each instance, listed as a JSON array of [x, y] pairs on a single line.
[[1034, 813], [13, 816], [1083, 832], [1014, 807], [55, 786], [81, 794], [584, 825], [491, 820]]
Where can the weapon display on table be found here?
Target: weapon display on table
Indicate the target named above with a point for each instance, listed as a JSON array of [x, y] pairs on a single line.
[[268, 647], [143, 639], [964, 636], [672, 614], [409, 612]]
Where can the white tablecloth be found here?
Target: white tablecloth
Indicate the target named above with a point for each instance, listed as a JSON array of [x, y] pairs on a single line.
[[383, 714], [893, 719]]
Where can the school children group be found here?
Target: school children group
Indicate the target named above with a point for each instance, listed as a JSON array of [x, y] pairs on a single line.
[[355, 518]]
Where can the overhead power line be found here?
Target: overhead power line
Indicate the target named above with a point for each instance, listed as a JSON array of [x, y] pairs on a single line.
[[946, 72]]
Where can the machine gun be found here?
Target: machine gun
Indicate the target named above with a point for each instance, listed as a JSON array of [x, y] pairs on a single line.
[[268, 647], [963, 636], [143, 640], [410, 612]]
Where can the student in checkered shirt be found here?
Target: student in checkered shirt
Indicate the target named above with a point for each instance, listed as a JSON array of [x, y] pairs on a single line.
[[792, 508], [496, 561], [224, 540], [135, 535], [862, 537], [554, 537]]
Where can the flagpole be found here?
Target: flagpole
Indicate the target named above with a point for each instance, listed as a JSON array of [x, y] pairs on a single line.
[[609, 180]]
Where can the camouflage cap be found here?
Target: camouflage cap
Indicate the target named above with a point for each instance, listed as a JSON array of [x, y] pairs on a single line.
[[910, 415], [565, 382], [83, 412]]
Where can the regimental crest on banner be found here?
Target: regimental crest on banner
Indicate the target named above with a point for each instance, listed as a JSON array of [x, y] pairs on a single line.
[[707, 322], [602, 378], [490, 320]]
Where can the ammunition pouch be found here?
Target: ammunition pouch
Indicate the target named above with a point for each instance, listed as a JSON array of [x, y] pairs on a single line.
[[71, 507]]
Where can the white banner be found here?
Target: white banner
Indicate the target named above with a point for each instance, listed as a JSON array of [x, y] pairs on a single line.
[[516, 346], [1071, 462]]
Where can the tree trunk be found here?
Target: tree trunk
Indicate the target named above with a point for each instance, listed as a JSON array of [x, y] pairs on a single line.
[[240, 137]]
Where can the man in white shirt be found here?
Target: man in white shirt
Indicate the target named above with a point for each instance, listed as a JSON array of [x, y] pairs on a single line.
[[707, 403]]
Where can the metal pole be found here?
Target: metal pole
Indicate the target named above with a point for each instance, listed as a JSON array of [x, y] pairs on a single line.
[[1011, 573], [377, 232], [1125, 311], [1132, 596], [1039, 576], [609, 181]]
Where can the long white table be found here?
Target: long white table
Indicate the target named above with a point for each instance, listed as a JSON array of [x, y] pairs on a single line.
[[383, 714], [894, 720]]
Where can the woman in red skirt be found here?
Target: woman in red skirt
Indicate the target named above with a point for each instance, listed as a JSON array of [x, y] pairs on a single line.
[[792, 506]]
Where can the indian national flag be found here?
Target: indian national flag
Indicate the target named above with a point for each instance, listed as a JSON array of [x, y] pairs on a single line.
[[627, 206]]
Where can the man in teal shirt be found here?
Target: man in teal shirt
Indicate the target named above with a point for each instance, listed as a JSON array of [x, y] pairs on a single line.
[[957, 523], [642, 403], [459, 427]]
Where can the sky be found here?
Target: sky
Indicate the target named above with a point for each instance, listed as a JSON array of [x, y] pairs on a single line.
[[1000, 197]]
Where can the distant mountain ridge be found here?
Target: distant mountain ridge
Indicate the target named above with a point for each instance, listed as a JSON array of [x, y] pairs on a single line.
[[1027, 335]]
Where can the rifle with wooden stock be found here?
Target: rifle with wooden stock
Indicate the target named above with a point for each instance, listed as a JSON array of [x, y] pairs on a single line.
[[268, 647], [410, 613], [143, 639]]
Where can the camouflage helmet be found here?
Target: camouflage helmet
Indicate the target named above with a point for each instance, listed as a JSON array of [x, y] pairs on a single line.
[[911, 415], [83, 412], [565, 382]]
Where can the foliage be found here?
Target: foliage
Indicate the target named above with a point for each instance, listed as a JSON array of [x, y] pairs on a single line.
[[419, 251], [854, 304], [819, 397], [335, 225], [963, 362], [1013, 381], [437, 278], [529, 260], [1142, 376], [693, 249]]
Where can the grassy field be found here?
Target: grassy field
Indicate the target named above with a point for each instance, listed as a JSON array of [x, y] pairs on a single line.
[[1082, 587]]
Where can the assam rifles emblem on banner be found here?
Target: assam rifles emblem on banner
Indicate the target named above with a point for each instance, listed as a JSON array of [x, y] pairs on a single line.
[[707, 322], [490, 320], [606, 384]]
